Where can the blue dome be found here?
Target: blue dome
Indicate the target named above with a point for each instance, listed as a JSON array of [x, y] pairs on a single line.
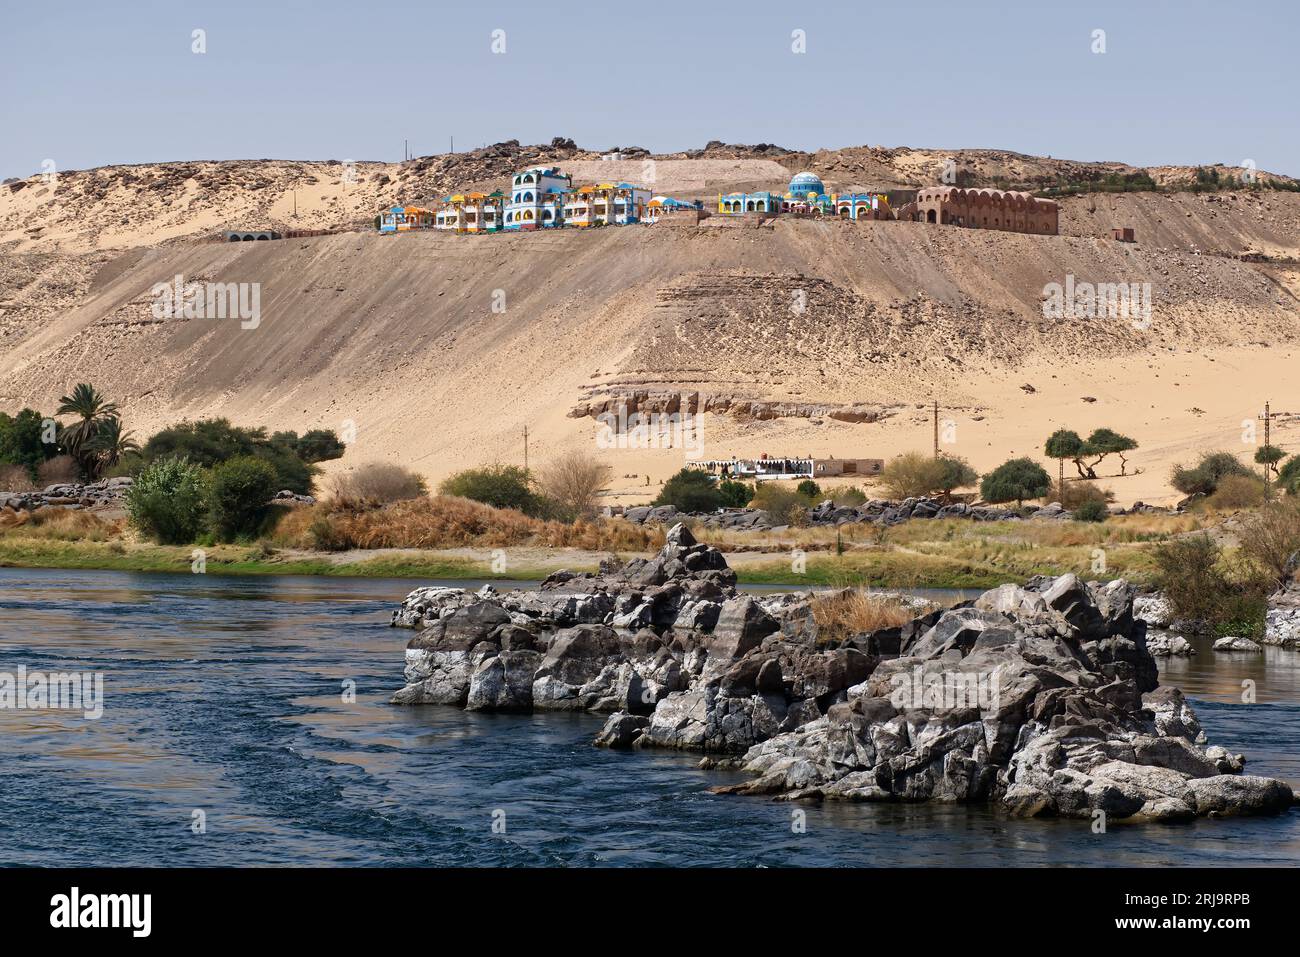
[[805, 183]]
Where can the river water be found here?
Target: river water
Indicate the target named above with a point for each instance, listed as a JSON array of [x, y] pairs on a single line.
[[227, 739]]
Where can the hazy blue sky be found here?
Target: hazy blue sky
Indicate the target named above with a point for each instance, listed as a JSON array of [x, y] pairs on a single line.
[[93, 83]]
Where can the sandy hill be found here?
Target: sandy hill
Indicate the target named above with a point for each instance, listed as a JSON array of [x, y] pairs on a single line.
[[398, 337]]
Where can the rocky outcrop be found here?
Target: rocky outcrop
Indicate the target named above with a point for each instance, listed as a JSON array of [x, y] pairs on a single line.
[[1232, 643], [1042, 698], [1282, 620], [106, 493]]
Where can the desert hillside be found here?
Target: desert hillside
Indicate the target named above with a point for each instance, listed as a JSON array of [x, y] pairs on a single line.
[[801, 337]]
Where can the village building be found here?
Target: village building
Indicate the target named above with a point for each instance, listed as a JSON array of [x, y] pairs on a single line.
[[661, 206], [537, 197], [1004, 210], [862, 206], [470, 213], [606, 204], [767, 467], [738, 204], [400, 219]]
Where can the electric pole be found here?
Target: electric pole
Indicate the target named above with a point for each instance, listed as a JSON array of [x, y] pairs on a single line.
[[936, 428], [525, 448], [1268, 487]]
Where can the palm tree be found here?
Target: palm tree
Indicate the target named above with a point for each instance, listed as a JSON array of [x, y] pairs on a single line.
[[110, 443], [92, 411]]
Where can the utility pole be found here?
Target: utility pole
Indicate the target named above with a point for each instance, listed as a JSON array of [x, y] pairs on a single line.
[[936, 428], [525, 448], [452, 141]]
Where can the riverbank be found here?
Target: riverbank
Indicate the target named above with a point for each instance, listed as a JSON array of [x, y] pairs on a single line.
[[917, 554]]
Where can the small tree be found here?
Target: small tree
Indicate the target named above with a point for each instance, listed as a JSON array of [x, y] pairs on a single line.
[[954, 473], [501, 486], [241, 493], [1014, 481], [809, 490], [168, 501], [1061, 445], [1104, 442], [913, 474], [571, 484], [1269, 456], [1289, 475], [319, 445], [735, 494], [374, 484], [784, 505], [691, 490], [1270, 537]]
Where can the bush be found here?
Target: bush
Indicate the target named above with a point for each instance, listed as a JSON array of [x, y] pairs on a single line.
[[1205, 476], [1078, 493], [783, 504], [60, 470], [1270, 538], [209, 442], [848, 497], [691, 490], [571, 485], [1014, 481], [374, 484], [501, 486], [169, 501], [319, 445], [855, 611], [735, 494], [954, 473], [1192, 575], [1092, 511], [913, 474], [21, 442], [810, 490], [16, 478], [240, 496], [1239, 491], [1289, 476]]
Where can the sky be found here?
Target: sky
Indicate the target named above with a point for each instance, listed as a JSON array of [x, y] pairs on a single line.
[[95, 83]]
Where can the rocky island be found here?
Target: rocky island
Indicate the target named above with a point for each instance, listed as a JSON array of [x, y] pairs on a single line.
[[1041, 699]]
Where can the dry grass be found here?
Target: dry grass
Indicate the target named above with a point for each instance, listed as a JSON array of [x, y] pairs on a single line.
[[373, 484], [15, 478], [60, 525], [855, 611], [445, 521], [60, 470]]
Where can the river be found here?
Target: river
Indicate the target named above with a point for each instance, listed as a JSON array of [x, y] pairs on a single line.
[[227, 738]]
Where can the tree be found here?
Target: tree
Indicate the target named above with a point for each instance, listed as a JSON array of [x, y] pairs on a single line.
[[691, 490], [319, 445], [955, 472], [110, 444], [22, 440], [1289, 475], [1064, 444], [168, 501], [1269, 455], [1270, 537], [240, 496], [92, 412], [208, 442], [913, 474], [809, 490], [1014, 481], [783, 504], [501, 486], [571, 484], [1104, 442]]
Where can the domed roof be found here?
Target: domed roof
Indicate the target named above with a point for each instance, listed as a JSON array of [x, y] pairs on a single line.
[[807, 183]]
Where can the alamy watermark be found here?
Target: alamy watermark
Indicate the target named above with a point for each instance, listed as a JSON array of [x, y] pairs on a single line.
[[945, 690], [25, 690], [208, 300], [651, 430], [1103, 300]]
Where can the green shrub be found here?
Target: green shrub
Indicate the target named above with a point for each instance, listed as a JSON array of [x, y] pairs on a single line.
[[913, 474], [810, 490], [735, 494], [169, 501], [691, 490], [1205, 476], [1289, 476], [849, 497], [1014, 481], [1092, 511], [501, 486], [240, 496], [1239, 491], [1195, 578]]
